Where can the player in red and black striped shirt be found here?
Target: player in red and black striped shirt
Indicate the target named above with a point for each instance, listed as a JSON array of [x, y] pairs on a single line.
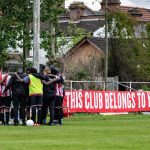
[[5, 97]]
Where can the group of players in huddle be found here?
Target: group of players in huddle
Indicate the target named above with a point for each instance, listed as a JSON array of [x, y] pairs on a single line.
[[31, 95]]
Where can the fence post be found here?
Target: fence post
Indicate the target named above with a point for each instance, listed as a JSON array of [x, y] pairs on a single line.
[[114, 86], [104, 84], [71, 85], [130, 85]]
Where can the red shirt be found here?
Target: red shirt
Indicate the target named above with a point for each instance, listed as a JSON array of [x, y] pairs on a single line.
[[0, 84]]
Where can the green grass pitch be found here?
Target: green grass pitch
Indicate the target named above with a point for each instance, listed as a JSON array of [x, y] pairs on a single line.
[[81, 132]]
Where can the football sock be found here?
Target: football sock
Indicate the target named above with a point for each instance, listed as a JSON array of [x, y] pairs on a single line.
[[7, 117], [39, 116], [34, 115]]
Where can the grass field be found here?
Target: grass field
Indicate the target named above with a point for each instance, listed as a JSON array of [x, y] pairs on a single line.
[[81, 132]]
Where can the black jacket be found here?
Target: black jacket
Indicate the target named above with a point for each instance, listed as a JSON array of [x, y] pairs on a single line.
[[51, 88], [17, 87]]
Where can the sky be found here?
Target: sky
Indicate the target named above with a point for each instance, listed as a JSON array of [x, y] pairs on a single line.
[[95, 5]]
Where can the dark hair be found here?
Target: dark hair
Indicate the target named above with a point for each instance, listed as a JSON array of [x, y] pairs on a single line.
[[54, 71], [42, 67], [28, 70], [33, 70]]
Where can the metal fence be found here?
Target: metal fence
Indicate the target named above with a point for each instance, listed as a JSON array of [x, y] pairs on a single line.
[[134, 86], [111, 85]]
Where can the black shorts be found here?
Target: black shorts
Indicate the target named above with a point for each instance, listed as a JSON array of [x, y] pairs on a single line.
[[36, 101], [48, 99], [5, 102]]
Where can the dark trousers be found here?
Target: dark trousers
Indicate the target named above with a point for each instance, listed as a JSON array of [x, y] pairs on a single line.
[[58, 108], [19, 100], [48, 102], [44, 109], [52, 108]]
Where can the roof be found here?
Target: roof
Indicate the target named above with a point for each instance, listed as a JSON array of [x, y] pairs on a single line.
[[145, 17], [86, 17], [91, 20], [89, 25], [88, 11], [99, 43]]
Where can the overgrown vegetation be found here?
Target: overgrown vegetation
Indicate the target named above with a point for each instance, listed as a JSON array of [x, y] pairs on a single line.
[[129, 56], [91, 70]]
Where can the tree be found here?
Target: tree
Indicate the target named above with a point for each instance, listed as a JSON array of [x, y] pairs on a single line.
[[128, 58], [7, 34], [51, 10], [3, 58], [68, 38], [15, 18]]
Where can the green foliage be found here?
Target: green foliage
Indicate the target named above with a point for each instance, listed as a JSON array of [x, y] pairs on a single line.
[[14, 15], [27, 64], [71, 36], [81, 75], [78, 74], [51, 11], [3, 58], [148, 30], [129, 58], [145, 88], [76, 33], [46, 42], [120, 25]]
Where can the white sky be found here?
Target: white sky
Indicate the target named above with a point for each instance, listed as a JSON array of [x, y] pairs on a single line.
[[95, 5]]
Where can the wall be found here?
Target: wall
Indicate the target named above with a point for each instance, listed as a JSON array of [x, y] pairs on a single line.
[[83, 54]]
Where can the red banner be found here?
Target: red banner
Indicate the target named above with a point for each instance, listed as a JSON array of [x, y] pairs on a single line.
[[106, 101]]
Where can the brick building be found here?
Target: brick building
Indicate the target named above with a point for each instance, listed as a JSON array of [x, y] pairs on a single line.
[[94, 22]]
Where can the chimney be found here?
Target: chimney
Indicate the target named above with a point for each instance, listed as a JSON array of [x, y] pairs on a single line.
[[77, 10], [111, 4], [135, 12]]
